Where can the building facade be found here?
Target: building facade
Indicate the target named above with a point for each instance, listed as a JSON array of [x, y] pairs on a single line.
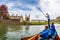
[[37, 20], [4, 12], [27, 18], [58, 19], [16, 18]]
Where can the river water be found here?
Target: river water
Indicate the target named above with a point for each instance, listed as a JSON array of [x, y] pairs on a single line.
[[18, 32]]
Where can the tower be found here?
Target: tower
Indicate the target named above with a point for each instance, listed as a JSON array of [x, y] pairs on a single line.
[[27, 18], [4, 11]]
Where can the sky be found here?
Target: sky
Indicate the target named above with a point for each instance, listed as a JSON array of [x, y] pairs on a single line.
[[22, 7]]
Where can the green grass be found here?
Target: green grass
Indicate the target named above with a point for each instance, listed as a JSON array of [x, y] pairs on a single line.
[[41, 23], [31, 23], [38, 23]]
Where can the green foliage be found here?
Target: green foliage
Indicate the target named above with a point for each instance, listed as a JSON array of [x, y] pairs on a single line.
[[38, 23]]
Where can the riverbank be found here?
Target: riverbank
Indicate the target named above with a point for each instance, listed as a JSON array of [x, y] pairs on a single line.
[[38, 23], [31, 23], [5, 24], [41, 23]]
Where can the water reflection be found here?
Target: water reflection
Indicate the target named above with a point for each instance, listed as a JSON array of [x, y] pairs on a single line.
[[3, 30], [15, 28], [27, 27], [16, 32]]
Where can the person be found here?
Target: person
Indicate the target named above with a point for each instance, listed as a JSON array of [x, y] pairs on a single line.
[[53, 31], [48, 17], [45, 33]]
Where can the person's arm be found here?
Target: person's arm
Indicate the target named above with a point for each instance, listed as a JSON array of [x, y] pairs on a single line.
[[46, 15], [43, 33]]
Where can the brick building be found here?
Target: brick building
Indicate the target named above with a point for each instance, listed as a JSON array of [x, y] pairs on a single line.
[[4, 12]]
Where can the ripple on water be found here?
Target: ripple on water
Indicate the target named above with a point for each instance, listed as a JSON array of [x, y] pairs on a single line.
[[13, 36], [32, 30]]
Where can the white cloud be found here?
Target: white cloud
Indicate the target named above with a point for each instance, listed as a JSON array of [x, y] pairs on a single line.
[[51, 6], [10, 5]]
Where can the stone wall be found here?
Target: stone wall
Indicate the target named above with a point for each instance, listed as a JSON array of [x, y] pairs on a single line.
[[10, 21]]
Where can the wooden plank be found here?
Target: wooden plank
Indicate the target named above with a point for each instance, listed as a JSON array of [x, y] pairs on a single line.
[[36, 37], [26, 38]]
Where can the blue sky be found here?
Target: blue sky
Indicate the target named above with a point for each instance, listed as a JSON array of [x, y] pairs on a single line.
[[22, 7]]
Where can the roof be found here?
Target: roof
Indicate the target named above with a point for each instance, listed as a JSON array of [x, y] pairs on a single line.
[[57, 17]]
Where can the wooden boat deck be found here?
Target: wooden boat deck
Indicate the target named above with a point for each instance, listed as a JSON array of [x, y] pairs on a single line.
[[35, 37]]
